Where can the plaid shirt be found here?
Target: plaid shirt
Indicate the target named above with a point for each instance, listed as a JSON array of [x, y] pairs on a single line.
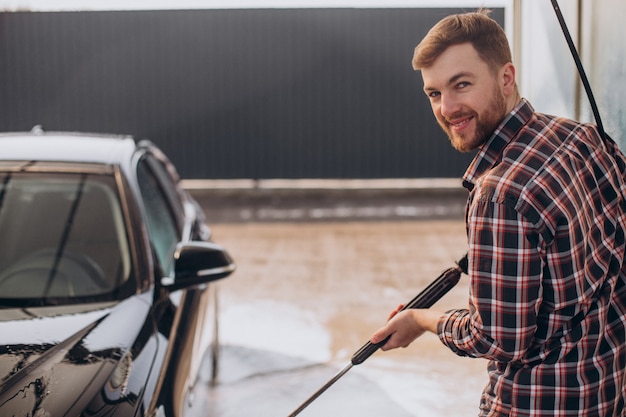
[[546, 219]]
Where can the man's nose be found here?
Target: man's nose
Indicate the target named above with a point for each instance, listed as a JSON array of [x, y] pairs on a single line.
[[448, 105]]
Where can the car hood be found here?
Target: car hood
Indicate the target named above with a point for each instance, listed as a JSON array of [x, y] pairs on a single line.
[[51, 359]]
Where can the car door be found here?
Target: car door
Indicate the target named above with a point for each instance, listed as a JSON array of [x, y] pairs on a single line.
[[168, 223]]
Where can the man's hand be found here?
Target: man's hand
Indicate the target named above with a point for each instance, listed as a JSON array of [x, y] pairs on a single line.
[[406, 326]]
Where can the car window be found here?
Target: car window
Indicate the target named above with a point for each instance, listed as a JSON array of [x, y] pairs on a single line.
[[61, 236], [161, 219], [169, 179]]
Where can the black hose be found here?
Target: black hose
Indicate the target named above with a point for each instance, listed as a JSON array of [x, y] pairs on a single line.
[[579, 66]]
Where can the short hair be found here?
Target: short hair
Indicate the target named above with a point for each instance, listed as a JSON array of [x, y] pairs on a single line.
[[485, 34]]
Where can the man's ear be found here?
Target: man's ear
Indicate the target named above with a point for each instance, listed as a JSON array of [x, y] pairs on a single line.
[[507, 78]]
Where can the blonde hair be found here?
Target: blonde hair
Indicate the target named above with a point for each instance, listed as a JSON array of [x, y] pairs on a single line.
[[485, 34]]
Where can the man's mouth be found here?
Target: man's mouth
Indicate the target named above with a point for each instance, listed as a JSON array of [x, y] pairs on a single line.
[[459, 123]]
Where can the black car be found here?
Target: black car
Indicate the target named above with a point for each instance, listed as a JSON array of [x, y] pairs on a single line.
[[105, 263]]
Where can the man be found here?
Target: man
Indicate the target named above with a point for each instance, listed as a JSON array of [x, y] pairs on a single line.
[[546, 219]]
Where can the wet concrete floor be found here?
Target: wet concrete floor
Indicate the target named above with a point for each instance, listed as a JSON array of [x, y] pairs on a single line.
[[307, 295]]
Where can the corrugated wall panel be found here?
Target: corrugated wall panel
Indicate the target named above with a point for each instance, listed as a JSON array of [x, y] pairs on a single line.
[[270, 93]]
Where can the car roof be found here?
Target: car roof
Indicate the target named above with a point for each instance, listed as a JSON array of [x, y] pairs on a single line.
[[67, 147]]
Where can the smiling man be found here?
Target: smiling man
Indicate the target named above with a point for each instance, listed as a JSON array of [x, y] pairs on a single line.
[[546, 226]]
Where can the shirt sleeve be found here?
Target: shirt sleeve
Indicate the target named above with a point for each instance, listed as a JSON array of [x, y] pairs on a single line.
[[505, 269]]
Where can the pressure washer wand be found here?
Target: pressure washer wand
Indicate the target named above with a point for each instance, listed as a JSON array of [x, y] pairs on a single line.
[[425, 299]]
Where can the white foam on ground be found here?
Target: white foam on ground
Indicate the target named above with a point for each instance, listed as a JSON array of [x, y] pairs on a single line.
[[277, 327]]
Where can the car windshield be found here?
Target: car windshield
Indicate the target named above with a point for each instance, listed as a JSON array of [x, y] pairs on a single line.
[[62, 237]]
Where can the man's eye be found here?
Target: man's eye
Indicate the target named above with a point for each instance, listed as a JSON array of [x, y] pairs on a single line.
[[462, 84], [434, 94]]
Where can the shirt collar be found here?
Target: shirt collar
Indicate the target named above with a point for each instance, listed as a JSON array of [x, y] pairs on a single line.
[[490, 153]]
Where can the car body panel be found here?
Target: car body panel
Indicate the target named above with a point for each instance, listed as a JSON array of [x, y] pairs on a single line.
[[78, 349]]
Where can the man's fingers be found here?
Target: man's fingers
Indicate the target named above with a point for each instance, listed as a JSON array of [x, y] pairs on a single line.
[[394, 312], [379, 336]]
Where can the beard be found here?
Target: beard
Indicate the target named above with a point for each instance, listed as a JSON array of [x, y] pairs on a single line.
[[486, 124]]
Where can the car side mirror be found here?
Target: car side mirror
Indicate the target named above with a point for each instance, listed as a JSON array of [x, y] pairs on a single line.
[[197, 263]]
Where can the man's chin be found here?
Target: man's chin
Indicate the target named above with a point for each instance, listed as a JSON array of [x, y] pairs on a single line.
[[463, 144], [459, 144]]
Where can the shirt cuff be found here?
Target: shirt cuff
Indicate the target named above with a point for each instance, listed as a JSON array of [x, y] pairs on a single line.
[[448, 328]]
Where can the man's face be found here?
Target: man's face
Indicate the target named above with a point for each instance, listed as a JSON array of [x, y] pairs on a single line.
[[466, 97]]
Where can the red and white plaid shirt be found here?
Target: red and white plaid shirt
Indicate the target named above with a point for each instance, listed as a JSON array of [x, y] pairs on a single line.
[[546, 225]]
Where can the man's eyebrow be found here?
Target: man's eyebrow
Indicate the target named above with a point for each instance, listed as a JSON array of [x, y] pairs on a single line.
[[452, 80]]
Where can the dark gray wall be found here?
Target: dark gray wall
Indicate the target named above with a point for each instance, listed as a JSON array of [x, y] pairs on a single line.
[[269, 93]]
